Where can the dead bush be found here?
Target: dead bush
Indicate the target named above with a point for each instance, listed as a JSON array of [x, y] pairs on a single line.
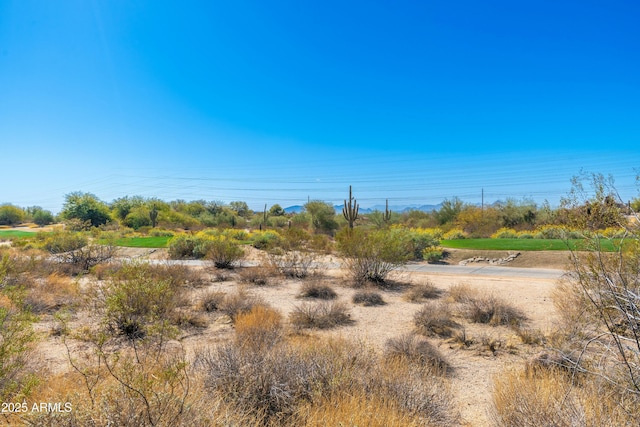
[[462, 293], [435, 319], [549, 398], [368, 298], [416, 350], [421, 292], [260, 328], [493, 311], [315, 289], [321, 315], [239, 302], [46, 295], [259, 276], [212, 301]]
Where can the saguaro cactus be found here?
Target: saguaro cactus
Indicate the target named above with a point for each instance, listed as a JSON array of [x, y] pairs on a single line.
[[387, 213], [350, 210]]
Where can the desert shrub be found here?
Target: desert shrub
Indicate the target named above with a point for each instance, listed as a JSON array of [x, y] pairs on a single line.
[[494, 311], [454, 234], [160, 233], [45, 295], [432, 254], [60, 241], [224, 252], [421, 292], [239, 302], [371, 256], [505, 233], [367, 298], [259, 328], [529, 336], [416, 350], [293, 254], [264, 239], [422, 239], [321, 315], [315, 289], [462, 293], [181, 247], [259, 275], [236, 234], [17, 341], [302, 384], [525, 235], [435, 319], [212, 301], [550, 232], [550, 398], [136, 301]]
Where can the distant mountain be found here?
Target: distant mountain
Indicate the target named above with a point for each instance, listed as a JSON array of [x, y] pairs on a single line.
[[294, 209]]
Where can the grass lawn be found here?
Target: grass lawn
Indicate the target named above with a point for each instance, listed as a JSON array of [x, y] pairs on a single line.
[[521, 244], [8, 234], [143, 242]]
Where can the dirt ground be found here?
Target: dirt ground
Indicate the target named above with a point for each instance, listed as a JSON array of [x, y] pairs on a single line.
[[473, 367]]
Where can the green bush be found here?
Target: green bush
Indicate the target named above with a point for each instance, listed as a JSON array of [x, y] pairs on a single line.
[[505, 233], [181, 247], [63, 241], [223, 252], [371, 256], [432, 254], [454, 234], [264, 239], [136, 300]]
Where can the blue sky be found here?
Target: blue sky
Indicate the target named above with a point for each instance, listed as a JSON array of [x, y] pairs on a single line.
[[275, 102]]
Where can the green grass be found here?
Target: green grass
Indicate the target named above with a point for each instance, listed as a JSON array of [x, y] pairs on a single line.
[[522, 244], [9, 234], [143, 242]]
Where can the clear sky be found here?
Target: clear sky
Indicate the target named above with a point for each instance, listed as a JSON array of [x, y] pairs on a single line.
[[278, 101]]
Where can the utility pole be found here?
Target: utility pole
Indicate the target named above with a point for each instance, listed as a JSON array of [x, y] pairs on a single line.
[[482, 205]]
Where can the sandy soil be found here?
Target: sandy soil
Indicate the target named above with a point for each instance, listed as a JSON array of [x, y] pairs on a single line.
[[473, 367]]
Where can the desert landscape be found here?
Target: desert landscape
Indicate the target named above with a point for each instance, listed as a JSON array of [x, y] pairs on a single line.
[[490, 350]]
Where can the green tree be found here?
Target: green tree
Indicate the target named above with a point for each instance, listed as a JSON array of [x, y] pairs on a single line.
[[449, 210], [240, 208], [322, 216], [10, 214], [85, 207], [276, 210], [39, 216]]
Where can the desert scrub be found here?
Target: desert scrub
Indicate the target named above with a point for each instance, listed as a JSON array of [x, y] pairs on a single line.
[[264, 239], [367, 298], [293, 254], [315, 383], [371, 256], [320, 315], [259, 328], [240, 302], [550, 398], [494, 311], [135, 301], [415, 349], [317, 290], [223, 252], [259, 275], [421, 292], [435, 319]]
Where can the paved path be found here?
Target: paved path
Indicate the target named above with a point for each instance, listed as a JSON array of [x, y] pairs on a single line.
[[466, 270], [486, 270]]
